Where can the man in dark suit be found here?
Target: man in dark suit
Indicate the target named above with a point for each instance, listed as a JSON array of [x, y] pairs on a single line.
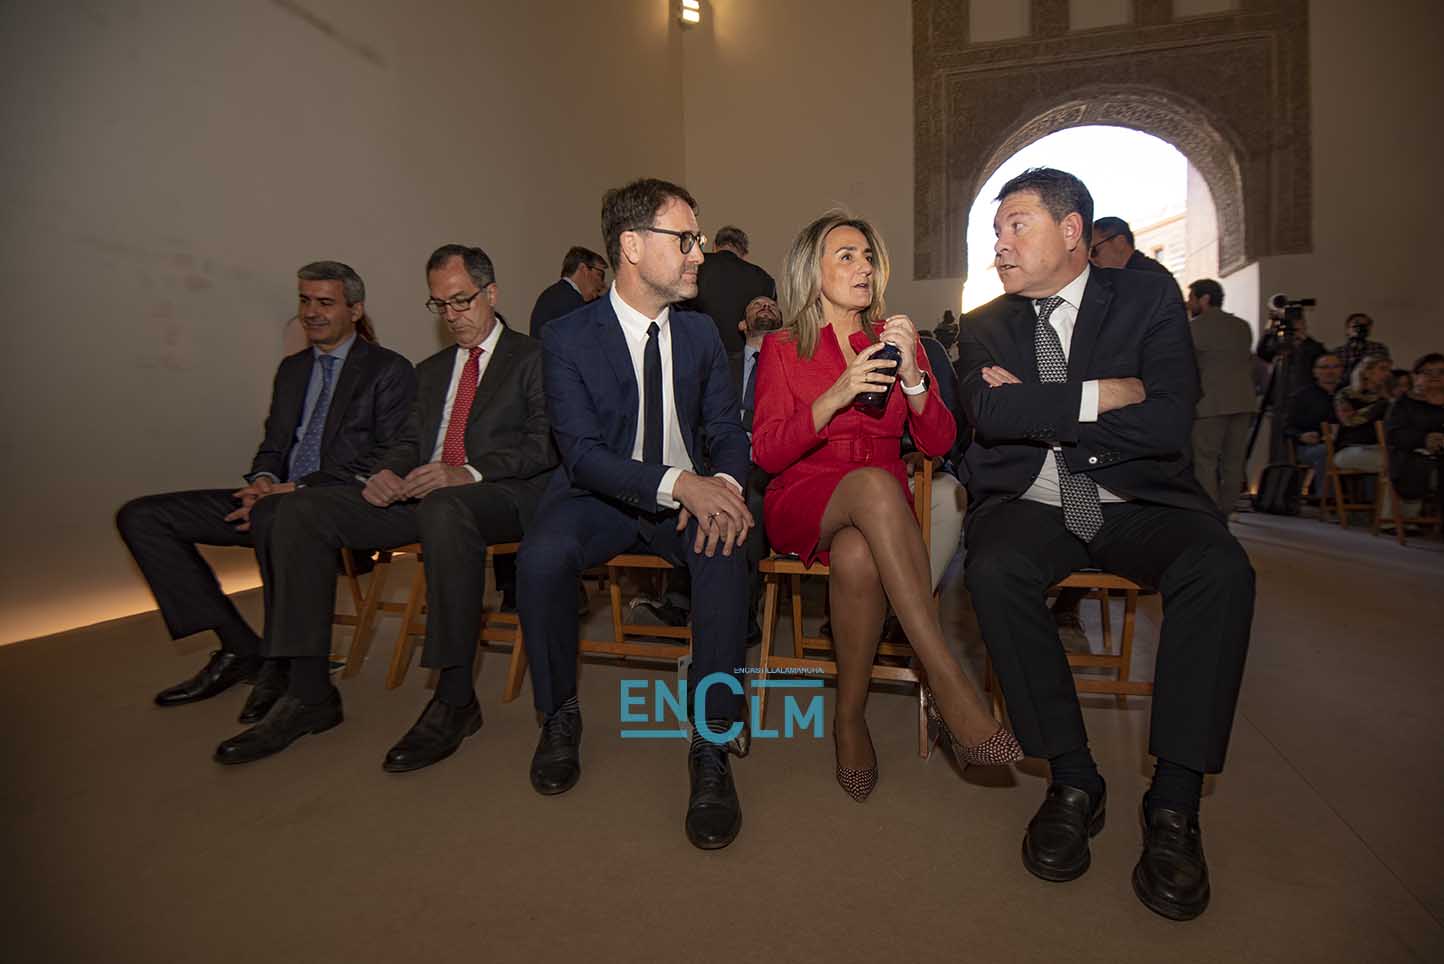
[[726, 282], [1080, 383], [468, 473], [337, 406], [643, 410], [584, 278], [1223, 345]]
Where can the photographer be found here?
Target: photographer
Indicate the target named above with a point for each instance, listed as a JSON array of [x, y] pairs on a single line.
[[1358, 345], [1286, 343]]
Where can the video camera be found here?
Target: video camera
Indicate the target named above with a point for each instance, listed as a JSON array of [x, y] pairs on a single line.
[[1286, 312]]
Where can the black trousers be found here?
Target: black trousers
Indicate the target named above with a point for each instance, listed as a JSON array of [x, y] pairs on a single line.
[[454, 526], [162, 532], [1018, 549], [576, 532]]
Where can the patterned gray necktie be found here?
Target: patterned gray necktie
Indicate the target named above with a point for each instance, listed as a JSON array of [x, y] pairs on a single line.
[[1079, 494], [308, 453]]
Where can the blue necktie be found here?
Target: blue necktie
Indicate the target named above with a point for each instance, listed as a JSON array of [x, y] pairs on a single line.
[[749, 390], [308, 454]]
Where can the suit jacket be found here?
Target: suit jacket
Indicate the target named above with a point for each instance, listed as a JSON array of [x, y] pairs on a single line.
[[593, 396], [725, 283], [508, 439], [367, 418], [1223, 345], [1131, 324], [555, 300]]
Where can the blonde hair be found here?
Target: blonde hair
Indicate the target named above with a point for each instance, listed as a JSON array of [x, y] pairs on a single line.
[[1359, 377], [800, 293]]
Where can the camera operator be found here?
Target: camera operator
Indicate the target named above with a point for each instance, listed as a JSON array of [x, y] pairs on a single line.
[[1358, 346], [1287, 344]]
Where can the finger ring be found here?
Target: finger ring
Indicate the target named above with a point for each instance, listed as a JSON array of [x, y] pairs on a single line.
[[712, 515]]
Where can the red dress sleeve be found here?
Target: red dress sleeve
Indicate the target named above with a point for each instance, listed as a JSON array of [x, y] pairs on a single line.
[[782, 431], [933, 429]]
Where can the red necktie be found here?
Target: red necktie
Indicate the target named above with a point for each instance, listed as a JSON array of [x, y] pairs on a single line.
[[453, 451]]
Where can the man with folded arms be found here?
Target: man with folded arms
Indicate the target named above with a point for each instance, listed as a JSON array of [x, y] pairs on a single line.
[[467, 474], [336, 407]]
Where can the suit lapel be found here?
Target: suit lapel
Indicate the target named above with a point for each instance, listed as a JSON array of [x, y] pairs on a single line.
[[1021, 325], [492, 377], [346, 384], [1097, 295], [614, 347]]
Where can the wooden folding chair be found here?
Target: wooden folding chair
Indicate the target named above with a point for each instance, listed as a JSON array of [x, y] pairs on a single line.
[[1099, 586], [1389, 496], [1334, 480], [776, 568], [496, 627], [366, 606]]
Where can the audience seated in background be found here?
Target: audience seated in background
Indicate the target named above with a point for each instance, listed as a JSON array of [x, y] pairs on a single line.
[[337, 407], [726, 282], [1358, 406], [1357, 346], [467, 473], [1308, 409], [1292, 354], [584, 278], [1401, 383], [1414, 431]]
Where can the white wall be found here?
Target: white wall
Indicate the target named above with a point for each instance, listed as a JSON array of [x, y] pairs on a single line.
[[166, 166]]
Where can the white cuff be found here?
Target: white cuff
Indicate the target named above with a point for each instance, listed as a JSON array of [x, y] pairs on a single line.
[[1088, 403], [475, 475], [664, 490], [920, 388]]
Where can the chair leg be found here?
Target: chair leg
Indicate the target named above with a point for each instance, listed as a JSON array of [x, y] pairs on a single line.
[[1341, 503], [401, 654], [516, 669], [795, 585], [1125, 641], [614, 581], [366, 616], [769, 634]]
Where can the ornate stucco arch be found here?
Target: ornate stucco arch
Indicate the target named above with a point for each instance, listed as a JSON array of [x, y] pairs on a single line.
[[1208, 147]]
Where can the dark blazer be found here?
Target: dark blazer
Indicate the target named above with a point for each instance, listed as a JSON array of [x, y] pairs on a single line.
[[508, 439], [1131, 324], [369, 406], [1223, 345], [593, 396], [725, 283], [555, 300]]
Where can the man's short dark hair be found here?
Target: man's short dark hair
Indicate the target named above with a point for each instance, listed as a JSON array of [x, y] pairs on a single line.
[[1207, 287], [475, 260], [578, 256], [1328, 354], [1114, 226], [731, 236], [1060, 192], [353, 289], [635, 206], [1433, 358]]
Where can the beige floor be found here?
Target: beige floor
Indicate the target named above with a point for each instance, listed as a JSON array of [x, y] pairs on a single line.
[[123, 842]]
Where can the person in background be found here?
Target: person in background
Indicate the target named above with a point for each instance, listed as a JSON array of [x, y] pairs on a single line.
[[1414, 431], [1357, 345], [1113, 248], [1223, 345], [1309, 408], [1401, 383], [1358, 406], [584, 278], [726, 282], [1292, 353]]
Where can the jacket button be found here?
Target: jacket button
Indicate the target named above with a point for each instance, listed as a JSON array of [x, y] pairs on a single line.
[[1092, 460]]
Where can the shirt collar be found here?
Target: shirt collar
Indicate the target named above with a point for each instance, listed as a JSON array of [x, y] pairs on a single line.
[[488, 344], [572, 283], [339, 352], [1072, 292], [633, 320]]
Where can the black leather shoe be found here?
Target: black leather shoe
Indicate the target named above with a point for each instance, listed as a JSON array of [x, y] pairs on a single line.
[[288, 721], [714, 814], [271, 683], [1056, 845], [222, 671], [434, 736], [557, 763], [1171, 877]]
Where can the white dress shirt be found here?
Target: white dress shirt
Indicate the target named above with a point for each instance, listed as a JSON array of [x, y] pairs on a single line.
[[488, 348], [674, 447], [1045, 487]]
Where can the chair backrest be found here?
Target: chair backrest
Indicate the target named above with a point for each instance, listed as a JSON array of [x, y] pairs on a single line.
[[1326, 432], [1383, 438], [923, 494]]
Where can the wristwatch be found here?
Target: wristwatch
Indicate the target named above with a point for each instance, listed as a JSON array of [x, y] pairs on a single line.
[[917, 389]]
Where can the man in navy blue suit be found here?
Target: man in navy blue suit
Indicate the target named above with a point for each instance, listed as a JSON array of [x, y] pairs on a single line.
[[645, 414]]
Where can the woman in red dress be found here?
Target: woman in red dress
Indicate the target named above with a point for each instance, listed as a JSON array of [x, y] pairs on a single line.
[[839, 491]]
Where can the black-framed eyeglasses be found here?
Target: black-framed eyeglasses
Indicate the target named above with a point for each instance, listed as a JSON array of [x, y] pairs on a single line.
[[1093, 251], [684, 238], [458, 304]]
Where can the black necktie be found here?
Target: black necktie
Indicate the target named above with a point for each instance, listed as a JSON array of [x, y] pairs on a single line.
[[652, 398], [1078, 493]]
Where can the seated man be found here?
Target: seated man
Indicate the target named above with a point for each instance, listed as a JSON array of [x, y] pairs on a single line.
[[1080, 383], [468, 473], [336, 407], [1308, 409], [638, 395]]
